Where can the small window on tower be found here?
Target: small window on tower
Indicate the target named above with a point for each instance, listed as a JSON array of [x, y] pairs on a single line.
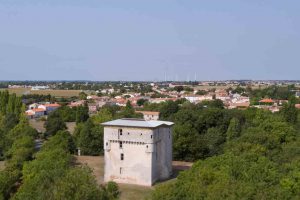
[[106, 143], [120, 131], [121, 145], [151, 136], [122, 156]]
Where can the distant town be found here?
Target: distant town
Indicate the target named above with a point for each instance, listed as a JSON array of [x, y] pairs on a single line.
[[239, 94]]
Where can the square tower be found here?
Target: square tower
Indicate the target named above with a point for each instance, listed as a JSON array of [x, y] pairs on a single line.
[[137, 151]]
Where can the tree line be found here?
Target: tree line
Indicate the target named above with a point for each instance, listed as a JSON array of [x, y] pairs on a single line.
[[48, 173], [239, 154]]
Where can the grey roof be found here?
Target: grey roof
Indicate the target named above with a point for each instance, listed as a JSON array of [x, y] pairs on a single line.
[[137, 123]]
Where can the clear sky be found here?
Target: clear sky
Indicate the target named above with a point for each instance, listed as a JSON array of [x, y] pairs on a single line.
[[144, 39]]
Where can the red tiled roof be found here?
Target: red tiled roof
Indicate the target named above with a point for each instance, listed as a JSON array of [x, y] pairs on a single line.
[[38, 110], [52, 105], [266, 101]]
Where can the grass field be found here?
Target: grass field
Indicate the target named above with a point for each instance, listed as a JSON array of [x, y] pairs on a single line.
[[39, 125], [128, 192], [56, 93]]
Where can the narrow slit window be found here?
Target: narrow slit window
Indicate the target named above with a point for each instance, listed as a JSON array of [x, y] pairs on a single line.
[[120, 131], [121, 145], [122, 156]]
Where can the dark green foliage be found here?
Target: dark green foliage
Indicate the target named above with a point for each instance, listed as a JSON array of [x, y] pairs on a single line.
[[112, 189], [9, 121], [273, 92], [82, 113], [259, 160], [141, 102], [51, 176], [20, 130], [54, 124], [10, 104], [167, 109], [199, 131], [89, 138], [201, 92], [234, 129], [21, 151], [128, 112], [289, 112], [82, 96], [77, 184], [63, 140], [67, 114]]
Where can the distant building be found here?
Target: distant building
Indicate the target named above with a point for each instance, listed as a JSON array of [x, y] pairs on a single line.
[[49, 107], [297, 94], [40, 88], [267, 101], [137, 151], [76, 103], [239, 105], [160, 100], [149, 115], [35, 113], [34, 105], [93, 107], [198, 98]]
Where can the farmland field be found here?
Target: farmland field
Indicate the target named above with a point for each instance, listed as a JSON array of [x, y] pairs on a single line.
[[57, 93], [128, 192]]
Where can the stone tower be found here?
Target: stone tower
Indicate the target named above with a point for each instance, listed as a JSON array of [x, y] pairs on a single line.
[[137, 151]]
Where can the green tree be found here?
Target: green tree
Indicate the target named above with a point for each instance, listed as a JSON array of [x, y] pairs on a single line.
[[54, 124], [103, 115], [77, 184], [89, 138], [141, 102], [112, 189], [289, 112], [234, 129], [82, 113], [82, 96]]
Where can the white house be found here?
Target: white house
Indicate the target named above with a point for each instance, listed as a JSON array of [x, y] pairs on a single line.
[[149, 115], [198, 98], [137, 151]]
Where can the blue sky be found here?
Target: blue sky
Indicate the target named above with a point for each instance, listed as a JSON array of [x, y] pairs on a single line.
[[144, 39]]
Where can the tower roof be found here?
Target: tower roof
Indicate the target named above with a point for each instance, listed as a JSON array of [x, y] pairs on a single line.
[[137, 123]]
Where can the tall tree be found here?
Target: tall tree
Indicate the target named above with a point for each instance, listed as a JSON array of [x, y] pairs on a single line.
[[54, 124], [233, 130]]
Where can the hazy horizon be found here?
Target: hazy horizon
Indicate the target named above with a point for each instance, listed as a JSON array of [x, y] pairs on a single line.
[[135, 40]]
